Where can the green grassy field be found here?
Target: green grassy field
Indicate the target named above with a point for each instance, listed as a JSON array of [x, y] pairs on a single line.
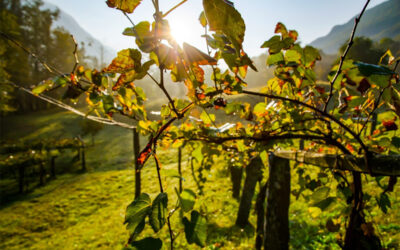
[[86, 210]]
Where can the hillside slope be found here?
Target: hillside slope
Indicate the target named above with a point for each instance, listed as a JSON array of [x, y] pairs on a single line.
[[381, 21], [93, 46]]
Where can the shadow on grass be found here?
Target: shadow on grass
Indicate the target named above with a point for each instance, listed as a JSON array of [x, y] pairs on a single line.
[[217, 235]]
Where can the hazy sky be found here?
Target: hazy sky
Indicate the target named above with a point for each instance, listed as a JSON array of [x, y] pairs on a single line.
[[311, 18]]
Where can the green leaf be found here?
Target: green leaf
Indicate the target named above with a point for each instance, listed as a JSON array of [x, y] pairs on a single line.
[[148, 243], [196, 229], [187, 199], [108, 103], [42, 87], [203, 19], [384, 202], [274, 44], [292, 56], [223, 17], [320, 194], [275, 59], [260, 108], [207, 118], [325, 204], [136, 213], [233, 107], [310, 55], [125, 5], [144, 38], [159, 212], [372, 69], [198, 154]]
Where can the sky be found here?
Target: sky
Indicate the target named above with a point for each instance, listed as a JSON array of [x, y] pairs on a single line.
[[311, 18]]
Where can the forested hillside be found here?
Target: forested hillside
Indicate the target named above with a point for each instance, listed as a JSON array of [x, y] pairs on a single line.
[[382, 21]]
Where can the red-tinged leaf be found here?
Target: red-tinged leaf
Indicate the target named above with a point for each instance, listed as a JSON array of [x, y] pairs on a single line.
[[390, 125], [376, 132], [350, 148], [145, 154], [125, 5], [349, 98], [198, 73], [193, 55], [281, 28], [320, 89], [126, 60], [200, 96], [293, 34], [363, 86]]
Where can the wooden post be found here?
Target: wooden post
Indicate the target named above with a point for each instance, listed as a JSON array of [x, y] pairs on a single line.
[[136, 151], [276, 227], [42, 174], [21, 179], [83, 159], [260, 210], [253, 175], [53, 167], [180, 169], [236, 178]]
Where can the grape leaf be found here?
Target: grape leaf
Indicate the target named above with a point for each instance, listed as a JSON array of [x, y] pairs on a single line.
[[159, 212], [125, 5], [196, 229], [136, 213], [223, 17]]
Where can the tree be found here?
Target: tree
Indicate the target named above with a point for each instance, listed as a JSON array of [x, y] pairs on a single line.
[[364, 50]]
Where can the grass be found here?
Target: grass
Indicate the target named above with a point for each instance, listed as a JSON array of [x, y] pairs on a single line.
[[86, 210]]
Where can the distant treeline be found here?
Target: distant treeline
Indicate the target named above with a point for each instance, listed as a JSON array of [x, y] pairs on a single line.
[[31, 25]]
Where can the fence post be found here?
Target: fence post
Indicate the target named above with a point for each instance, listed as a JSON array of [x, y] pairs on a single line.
[[136, 151], [42, 173], [83, 160], [260, 215], [236, 178], [276, 225], [21, 179], [253, 175], [53, 167], [180, 169]]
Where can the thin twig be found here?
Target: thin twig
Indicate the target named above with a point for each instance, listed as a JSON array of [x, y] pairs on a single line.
[[75, 55], [48, 67], [343, 57], [173, 8]]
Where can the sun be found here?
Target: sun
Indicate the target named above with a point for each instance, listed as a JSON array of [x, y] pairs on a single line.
[[183, 31]]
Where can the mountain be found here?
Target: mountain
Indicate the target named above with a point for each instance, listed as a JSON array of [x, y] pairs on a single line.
[[93, 47], [378, 22]]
